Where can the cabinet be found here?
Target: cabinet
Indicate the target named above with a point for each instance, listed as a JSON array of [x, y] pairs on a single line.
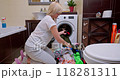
[[5, 48], [96, 30], [10, 47], [91, 7]]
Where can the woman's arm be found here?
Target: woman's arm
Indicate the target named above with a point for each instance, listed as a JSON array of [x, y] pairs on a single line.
[[56, 35]]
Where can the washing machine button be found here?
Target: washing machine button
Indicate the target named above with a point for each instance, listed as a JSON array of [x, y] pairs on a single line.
[[71, 17], [64, 17]]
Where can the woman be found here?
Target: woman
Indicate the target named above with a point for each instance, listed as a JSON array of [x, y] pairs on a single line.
[[35, 46]]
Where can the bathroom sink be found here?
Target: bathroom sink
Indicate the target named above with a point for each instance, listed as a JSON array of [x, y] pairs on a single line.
[[39, 15]]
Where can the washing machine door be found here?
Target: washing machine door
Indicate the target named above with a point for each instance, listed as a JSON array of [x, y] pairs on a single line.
[[69, 27]]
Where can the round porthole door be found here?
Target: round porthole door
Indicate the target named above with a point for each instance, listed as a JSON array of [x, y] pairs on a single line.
[[67, 26]]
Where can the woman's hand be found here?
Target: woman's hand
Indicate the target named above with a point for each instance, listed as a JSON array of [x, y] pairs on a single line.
[[62, 32], [68, 45]]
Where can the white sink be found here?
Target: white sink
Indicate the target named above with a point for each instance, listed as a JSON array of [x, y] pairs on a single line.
[[39, 15]]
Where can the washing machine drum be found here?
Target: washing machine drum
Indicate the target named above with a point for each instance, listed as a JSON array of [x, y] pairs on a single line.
[[102, 53], [67, 27]]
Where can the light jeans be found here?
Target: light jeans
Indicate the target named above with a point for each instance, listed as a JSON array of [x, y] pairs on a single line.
[[42, 56]]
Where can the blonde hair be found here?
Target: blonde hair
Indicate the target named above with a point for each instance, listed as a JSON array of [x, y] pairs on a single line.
[[54, 8]]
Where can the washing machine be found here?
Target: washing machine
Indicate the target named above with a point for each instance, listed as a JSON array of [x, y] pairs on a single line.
[[69, 23]]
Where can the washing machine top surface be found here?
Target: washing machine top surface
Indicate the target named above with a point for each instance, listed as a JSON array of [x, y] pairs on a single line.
[[69, 18], [104, 51]]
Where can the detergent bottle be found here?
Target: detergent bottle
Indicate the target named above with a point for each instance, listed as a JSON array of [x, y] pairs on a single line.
[[3, 22], [114, 32]]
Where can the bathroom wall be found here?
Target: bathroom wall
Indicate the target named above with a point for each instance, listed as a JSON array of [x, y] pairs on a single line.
[[17, 11], [3, 8], [79, 9]]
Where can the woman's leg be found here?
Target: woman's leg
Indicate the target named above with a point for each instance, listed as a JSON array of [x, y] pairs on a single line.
[[40, 56], [49, 51]]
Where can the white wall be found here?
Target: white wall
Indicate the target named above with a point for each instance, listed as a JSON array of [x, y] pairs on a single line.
[[17, 11], [3, 8]]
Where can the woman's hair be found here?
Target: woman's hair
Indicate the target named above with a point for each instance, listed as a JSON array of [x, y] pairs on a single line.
[[54, 8]]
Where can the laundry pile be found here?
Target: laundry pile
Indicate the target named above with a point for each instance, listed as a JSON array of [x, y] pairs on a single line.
[[64, 56], [67, 55]]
